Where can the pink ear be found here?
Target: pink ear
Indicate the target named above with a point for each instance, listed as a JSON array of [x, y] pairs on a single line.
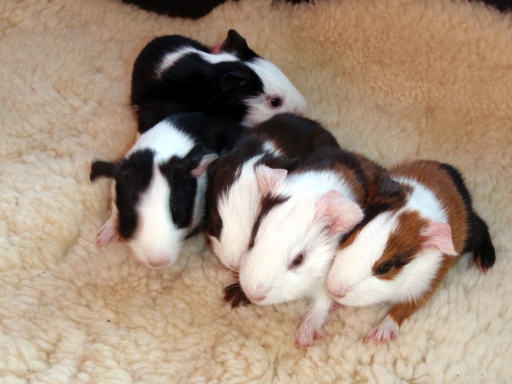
[[438, 236], [203, 164], [340, 213], [269, 179]]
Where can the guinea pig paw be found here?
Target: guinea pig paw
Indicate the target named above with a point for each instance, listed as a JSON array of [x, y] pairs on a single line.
[[306, 336], [384, 332], [107, 234]]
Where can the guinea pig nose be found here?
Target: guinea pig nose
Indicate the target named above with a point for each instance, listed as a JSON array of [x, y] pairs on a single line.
[[298, 111], [257, 298], [338, 293], [159, 263]]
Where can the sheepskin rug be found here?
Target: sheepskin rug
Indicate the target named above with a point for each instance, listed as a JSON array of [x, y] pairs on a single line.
[[396, 80]]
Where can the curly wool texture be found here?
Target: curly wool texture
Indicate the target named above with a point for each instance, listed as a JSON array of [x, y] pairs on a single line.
[[394, 79]]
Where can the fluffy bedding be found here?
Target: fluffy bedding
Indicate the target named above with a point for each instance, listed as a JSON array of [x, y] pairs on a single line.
[[396, 80]]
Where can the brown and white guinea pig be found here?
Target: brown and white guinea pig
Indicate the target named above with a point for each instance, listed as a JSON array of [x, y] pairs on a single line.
[[177, 74], [405, 245], [302, 218], [158, 195], [233, 195]]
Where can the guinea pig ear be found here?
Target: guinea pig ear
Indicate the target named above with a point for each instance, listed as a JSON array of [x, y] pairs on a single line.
[[199, 158], [437, 235], [102, 168], [269, 179], [230, 82], [203, 164], [340, 213], [237, 45]]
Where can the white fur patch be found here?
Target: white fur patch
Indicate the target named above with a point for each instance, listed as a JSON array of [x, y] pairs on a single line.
[[171, 58], [288, 230], [165, 140], [238, 209], [351, 271], [156, 239], [275, 84]]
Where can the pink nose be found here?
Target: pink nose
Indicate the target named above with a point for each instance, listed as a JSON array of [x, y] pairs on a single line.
[[159, 263], [298, 111], [257, 298], [339, 293]]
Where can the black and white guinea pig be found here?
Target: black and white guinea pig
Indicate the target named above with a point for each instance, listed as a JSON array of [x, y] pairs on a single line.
[[405, 245], [158, 195], [177, 74], [302, 218], [233, 195]]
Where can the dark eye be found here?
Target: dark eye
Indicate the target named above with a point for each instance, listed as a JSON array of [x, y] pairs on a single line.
[[297, 261], [384, 268], [276, 102]]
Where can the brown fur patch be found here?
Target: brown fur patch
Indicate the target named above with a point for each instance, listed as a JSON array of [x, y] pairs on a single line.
[[431, 175], [234, 293], [403, 244], [267, 204]]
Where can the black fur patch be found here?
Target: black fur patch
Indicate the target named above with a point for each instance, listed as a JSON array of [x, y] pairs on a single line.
[[190, 84], [267, 204], [237, 45], [190, 9], [133, 176], [478, 239], [296, 136], [235, 294]]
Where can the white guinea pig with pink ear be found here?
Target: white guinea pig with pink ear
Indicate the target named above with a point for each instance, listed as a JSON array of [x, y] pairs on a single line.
[[295, 236], [408, 240], [233, 196]]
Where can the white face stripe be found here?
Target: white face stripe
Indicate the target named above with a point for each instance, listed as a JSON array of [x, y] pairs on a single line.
[[156, 238], [171, 58], [238, 209]]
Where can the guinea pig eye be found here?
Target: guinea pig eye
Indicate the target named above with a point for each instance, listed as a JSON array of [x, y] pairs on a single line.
[[297, 261], [384, 268], [276, 102]]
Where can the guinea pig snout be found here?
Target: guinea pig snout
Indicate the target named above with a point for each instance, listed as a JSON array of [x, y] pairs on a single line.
[[338, 292], [162, 263], [257, 295]]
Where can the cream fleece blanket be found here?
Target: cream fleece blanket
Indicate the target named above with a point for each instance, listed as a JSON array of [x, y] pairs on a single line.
[[394, 79]]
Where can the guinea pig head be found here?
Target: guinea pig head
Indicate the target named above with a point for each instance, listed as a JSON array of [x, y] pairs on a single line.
[[260, 86], [158, 204], [393, 257], [293, 240]]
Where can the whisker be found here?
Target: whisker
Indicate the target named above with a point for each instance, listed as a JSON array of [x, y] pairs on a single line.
[[234, 293]]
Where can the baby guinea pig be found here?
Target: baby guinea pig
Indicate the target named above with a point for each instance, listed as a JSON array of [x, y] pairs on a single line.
[[233, 196], [405, 245], [177, 74], [294, 239], [158, 195]]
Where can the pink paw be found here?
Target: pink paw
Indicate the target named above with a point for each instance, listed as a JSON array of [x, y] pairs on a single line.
[[386, 331], [305, 337], [107, 233]]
